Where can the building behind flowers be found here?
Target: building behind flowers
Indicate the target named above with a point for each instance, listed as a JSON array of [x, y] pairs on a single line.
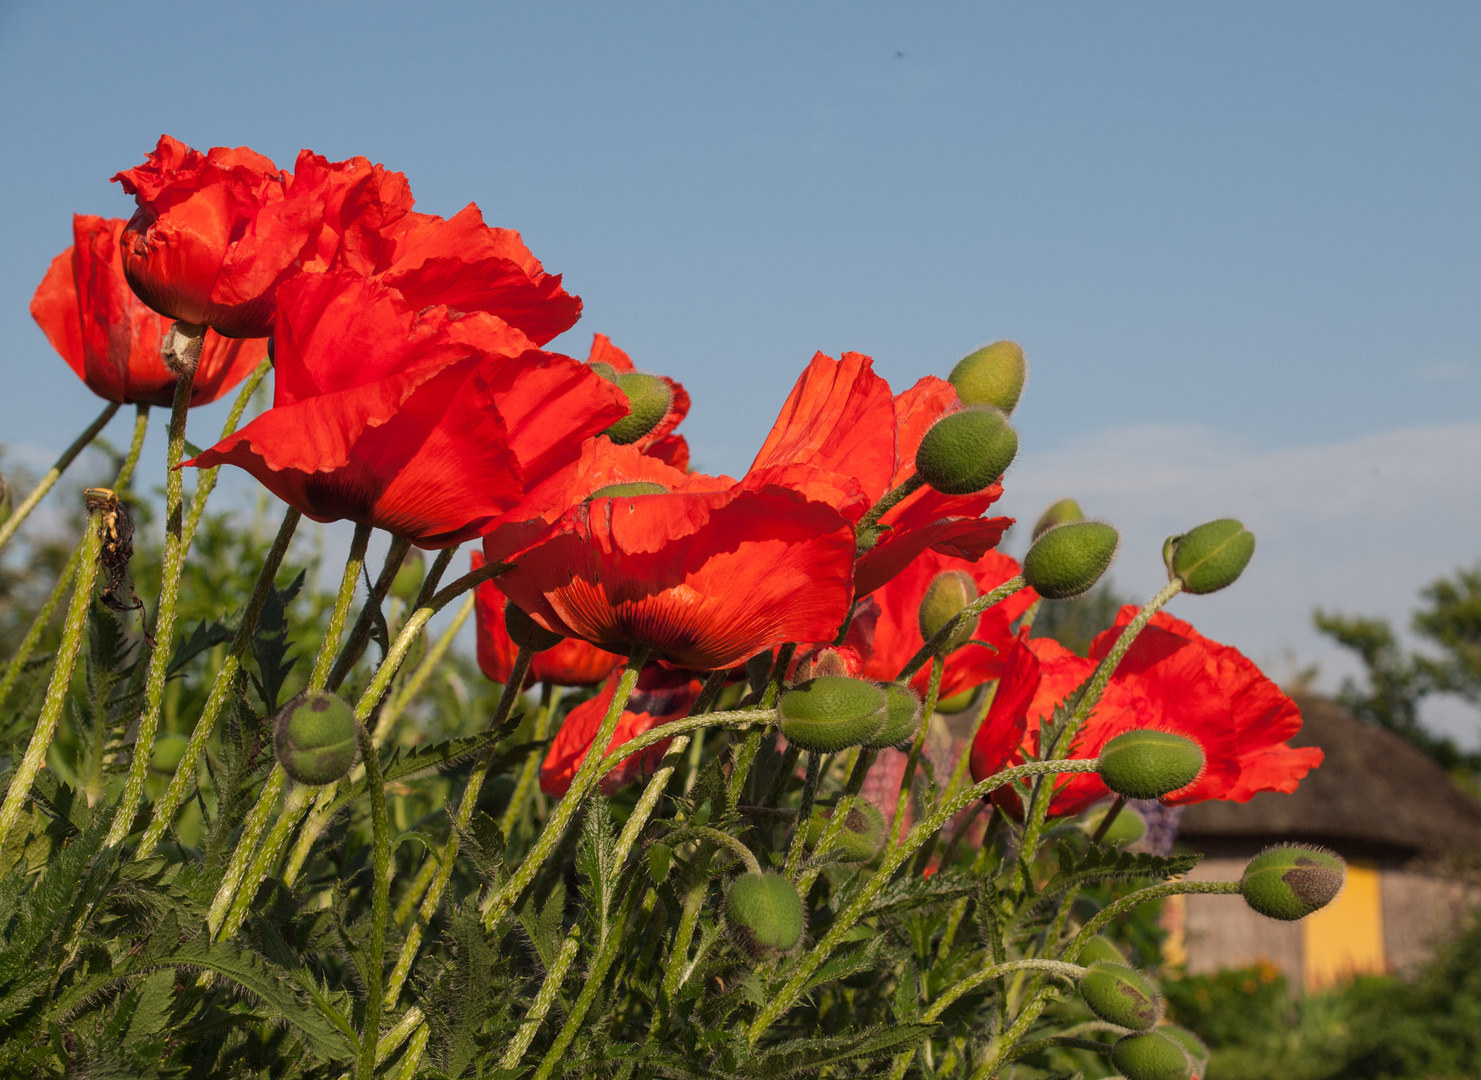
[[1411, 837]]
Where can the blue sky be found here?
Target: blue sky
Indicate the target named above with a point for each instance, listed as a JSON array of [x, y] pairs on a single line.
[[1238, 242]]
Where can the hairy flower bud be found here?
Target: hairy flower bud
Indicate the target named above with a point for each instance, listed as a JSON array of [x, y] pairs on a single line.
[[993, 375], [1064, 512], [1101, 948], [860, 838], [902, 717], [1120, 995], [1127, 827], [832, 712], [649, 398], [1150, 1055], [966, 451], [1148, 764], [1290, 882], [314, 738], [1212, 556], [1192, 1045], [765, 914], [526, 632], [1068, 559], [946, 596]]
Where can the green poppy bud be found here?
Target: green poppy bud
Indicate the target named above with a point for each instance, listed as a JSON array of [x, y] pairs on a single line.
[[832, 712], [902, 717], [314, 738], [1192, 1045], [1126, 828], [168, 750], [606, 371], [946, 596], [1150, 1055], [993, 375], [1101, 948], [634, 487], [408, 580], [1068, 559], [1064, 512], [957, 702], [860, 838], [1212, 556], [649, 398], [1290, 882], [966, 451], [765, 914], [526, 632], [1120, 995], [1149, 764]]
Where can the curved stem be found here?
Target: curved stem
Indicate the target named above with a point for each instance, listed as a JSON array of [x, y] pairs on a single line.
[[61, 680], [1142, 896], [971, 611], [888, 502], [164, 615], [23, 511], [174, 796], [723, 839]]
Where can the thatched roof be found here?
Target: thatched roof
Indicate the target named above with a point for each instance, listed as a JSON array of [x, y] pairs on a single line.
[[1375, 795]]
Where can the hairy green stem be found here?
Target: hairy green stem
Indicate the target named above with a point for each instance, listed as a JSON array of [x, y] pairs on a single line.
[[205, 482], [418, 681], [549, 699], [61, 681], [745, 755], [888, 502], [379, 901], [174, 796], [907, 778], [359, 638], [804, 814], [971, 611], [549, 990], [9, 526], [838, 821], [164, 614]]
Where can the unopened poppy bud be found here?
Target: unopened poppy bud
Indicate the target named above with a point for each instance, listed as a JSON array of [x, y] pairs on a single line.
[[606, 371], [1150, 1055], [1101, 948], [765, 914], [634, 487], [946, 596], [1127, 827], [1068, 559], [1120, 995], [314, 738], [993, 375], [526, 632], [648, 397], [902, 717], [1192, 1045], [408, 580], [832, 712], [967, 451], [957, 702], [1291, 882], [1064, 512], [1148, 764], [860, 838], [1212, 556]]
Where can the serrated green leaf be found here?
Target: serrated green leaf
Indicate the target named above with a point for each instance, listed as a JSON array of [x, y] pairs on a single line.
[[1108, 863]]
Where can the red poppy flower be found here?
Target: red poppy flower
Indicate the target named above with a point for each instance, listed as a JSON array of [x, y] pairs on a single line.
[[1172, 679], [897, 635], [706, 573], [427, 424], [571, 663], [842, 438], [661, 442], [660, 696], [216, 234], [111, 339]]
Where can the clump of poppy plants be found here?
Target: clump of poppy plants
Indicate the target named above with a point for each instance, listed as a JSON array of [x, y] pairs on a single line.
[[716, 823]]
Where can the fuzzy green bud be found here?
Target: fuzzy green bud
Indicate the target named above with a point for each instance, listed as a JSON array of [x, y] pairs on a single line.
[[1127, 827], [1064, 512], [1150, 1055], [632, 487], [993, 375], [1192, 1045], [1120, 995], [1291, 882], [526, 632], [967, 451], [1148, 764], [1212, 556], [946, 596], [408, 580], [765, 914], [1101, 948], [648, 397], [1068, 559], [832, 712], [860, 838], [902, 717], [314, 738]]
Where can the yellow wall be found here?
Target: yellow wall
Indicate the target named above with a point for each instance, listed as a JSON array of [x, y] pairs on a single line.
[[1345, 938]]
